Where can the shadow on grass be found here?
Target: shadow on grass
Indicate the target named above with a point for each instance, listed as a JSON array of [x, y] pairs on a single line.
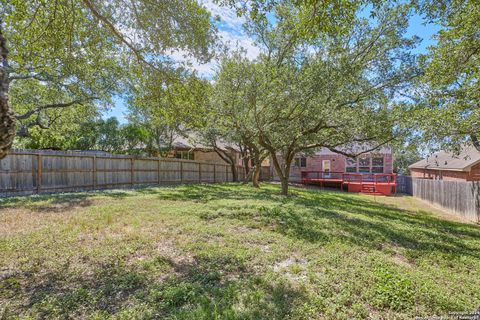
[[59, 202], [205, 288], [323, 216], [308, 215], [222, 286]]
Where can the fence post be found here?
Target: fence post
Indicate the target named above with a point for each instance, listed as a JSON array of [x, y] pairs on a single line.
[[34, 172], [39, 172], [199, 172], [158, 171], [476, 195], [94, 171], [181, 171], [131, 170]]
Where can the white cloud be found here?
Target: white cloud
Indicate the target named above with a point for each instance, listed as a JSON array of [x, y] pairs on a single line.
[[241, 41], [228, 16], [205, 70], [231, 33]]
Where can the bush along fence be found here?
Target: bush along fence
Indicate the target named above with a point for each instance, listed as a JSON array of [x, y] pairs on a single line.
[[461, 198], [32, 172]]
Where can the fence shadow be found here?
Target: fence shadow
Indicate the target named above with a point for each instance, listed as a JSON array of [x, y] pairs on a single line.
[[314, 216], [59, 202]]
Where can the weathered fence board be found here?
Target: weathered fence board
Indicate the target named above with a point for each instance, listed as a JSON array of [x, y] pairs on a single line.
[[404, 184], [462, 198], [38, 171]]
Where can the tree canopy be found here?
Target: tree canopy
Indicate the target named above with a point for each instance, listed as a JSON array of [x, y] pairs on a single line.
[[64, 55], [447, 102], [334, 91], [330, 74]]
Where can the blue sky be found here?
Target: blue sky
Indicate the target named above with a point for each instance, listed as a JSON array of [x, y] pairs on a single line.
[[231, 32]]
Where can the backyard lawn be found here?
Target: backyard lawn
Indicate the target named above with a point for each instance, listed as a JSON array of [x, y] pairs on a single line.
[[232, 252]]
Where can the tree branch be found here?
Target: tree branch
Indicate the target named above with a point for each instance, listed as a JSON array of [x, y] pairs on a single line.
[[29, 113], [354, 155], [117, 33]]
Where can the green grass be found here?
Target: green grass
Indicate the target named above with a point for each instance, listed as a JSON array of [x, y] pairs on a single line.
[[231, 252]]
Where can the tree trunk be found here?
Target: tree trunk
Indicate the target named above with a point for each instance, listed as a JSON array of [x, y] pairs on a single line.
[[247, 174], [256, 175], [229, 158], [234, 172], [284, 174], [7, 118], [247, 170], [284, 182], [246, 164], [248, 177]]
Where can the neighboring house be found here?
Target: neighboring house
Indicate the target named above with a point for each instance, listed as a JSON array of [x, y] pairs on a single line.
[[449, 166], [324, 160], [186, 148]]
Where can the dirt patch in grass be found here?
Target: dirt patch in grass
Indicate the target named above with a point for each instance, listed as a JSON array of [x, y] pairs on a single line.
[[293, 268]]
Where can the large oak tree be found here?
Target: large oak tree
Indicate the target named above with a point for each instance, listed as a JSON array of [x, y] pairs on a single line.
[[64, 54], [332, 91]]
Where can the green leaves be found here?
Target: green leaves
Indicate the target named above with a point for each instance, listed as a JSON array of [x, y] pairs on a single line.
[[448, 109], [83, 53], [328, 89], [163, 109]]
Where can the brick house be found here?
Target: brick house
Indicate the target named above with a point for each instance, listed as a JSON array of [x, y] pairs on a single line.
[[324, 160], [185, 148], [444, 165]]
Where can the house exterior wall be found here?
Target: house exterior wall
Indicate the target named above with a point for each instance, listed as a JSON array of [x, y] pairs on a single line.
[[337, 163], [207, 156], [439, 174], [210, 156], [475, 173], [448, 175], [213, 157]]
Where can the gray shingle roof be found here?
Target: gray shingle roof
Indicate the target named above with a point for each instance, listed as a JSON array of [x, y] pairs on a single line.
[[444, 160]]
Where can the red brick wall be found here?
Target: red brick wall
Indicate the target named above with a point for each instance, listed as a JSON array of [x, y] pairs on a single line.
[[337, 164], [475, 173], [440, 175]]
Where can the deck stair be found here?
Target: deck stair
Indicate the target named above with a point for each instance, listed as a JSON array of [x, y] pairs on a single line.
[[370, 189]]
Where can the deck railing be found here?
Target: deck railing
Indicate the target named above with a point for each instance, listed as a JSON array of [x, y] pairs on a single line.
[[366, 178], [322, 175]]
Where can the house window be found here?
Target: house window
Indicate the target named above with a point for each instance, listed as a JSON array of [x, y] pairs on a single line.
[[301, 162], [364, 165], [351, 165], [377, 164], [186, 155]]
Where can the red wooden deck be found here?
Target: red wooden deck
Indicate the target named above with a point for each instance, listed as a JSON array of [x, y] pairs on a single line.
[[370, 183]]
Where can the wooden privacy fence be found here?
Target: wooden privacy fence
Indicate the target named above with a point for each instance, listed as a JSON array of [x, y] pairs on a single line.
[[404, 184], [462, 198], [37, 171]]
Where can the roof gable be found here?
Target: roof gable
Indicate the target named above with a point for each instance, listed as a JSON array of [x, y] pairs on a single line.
[[443, 160]]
